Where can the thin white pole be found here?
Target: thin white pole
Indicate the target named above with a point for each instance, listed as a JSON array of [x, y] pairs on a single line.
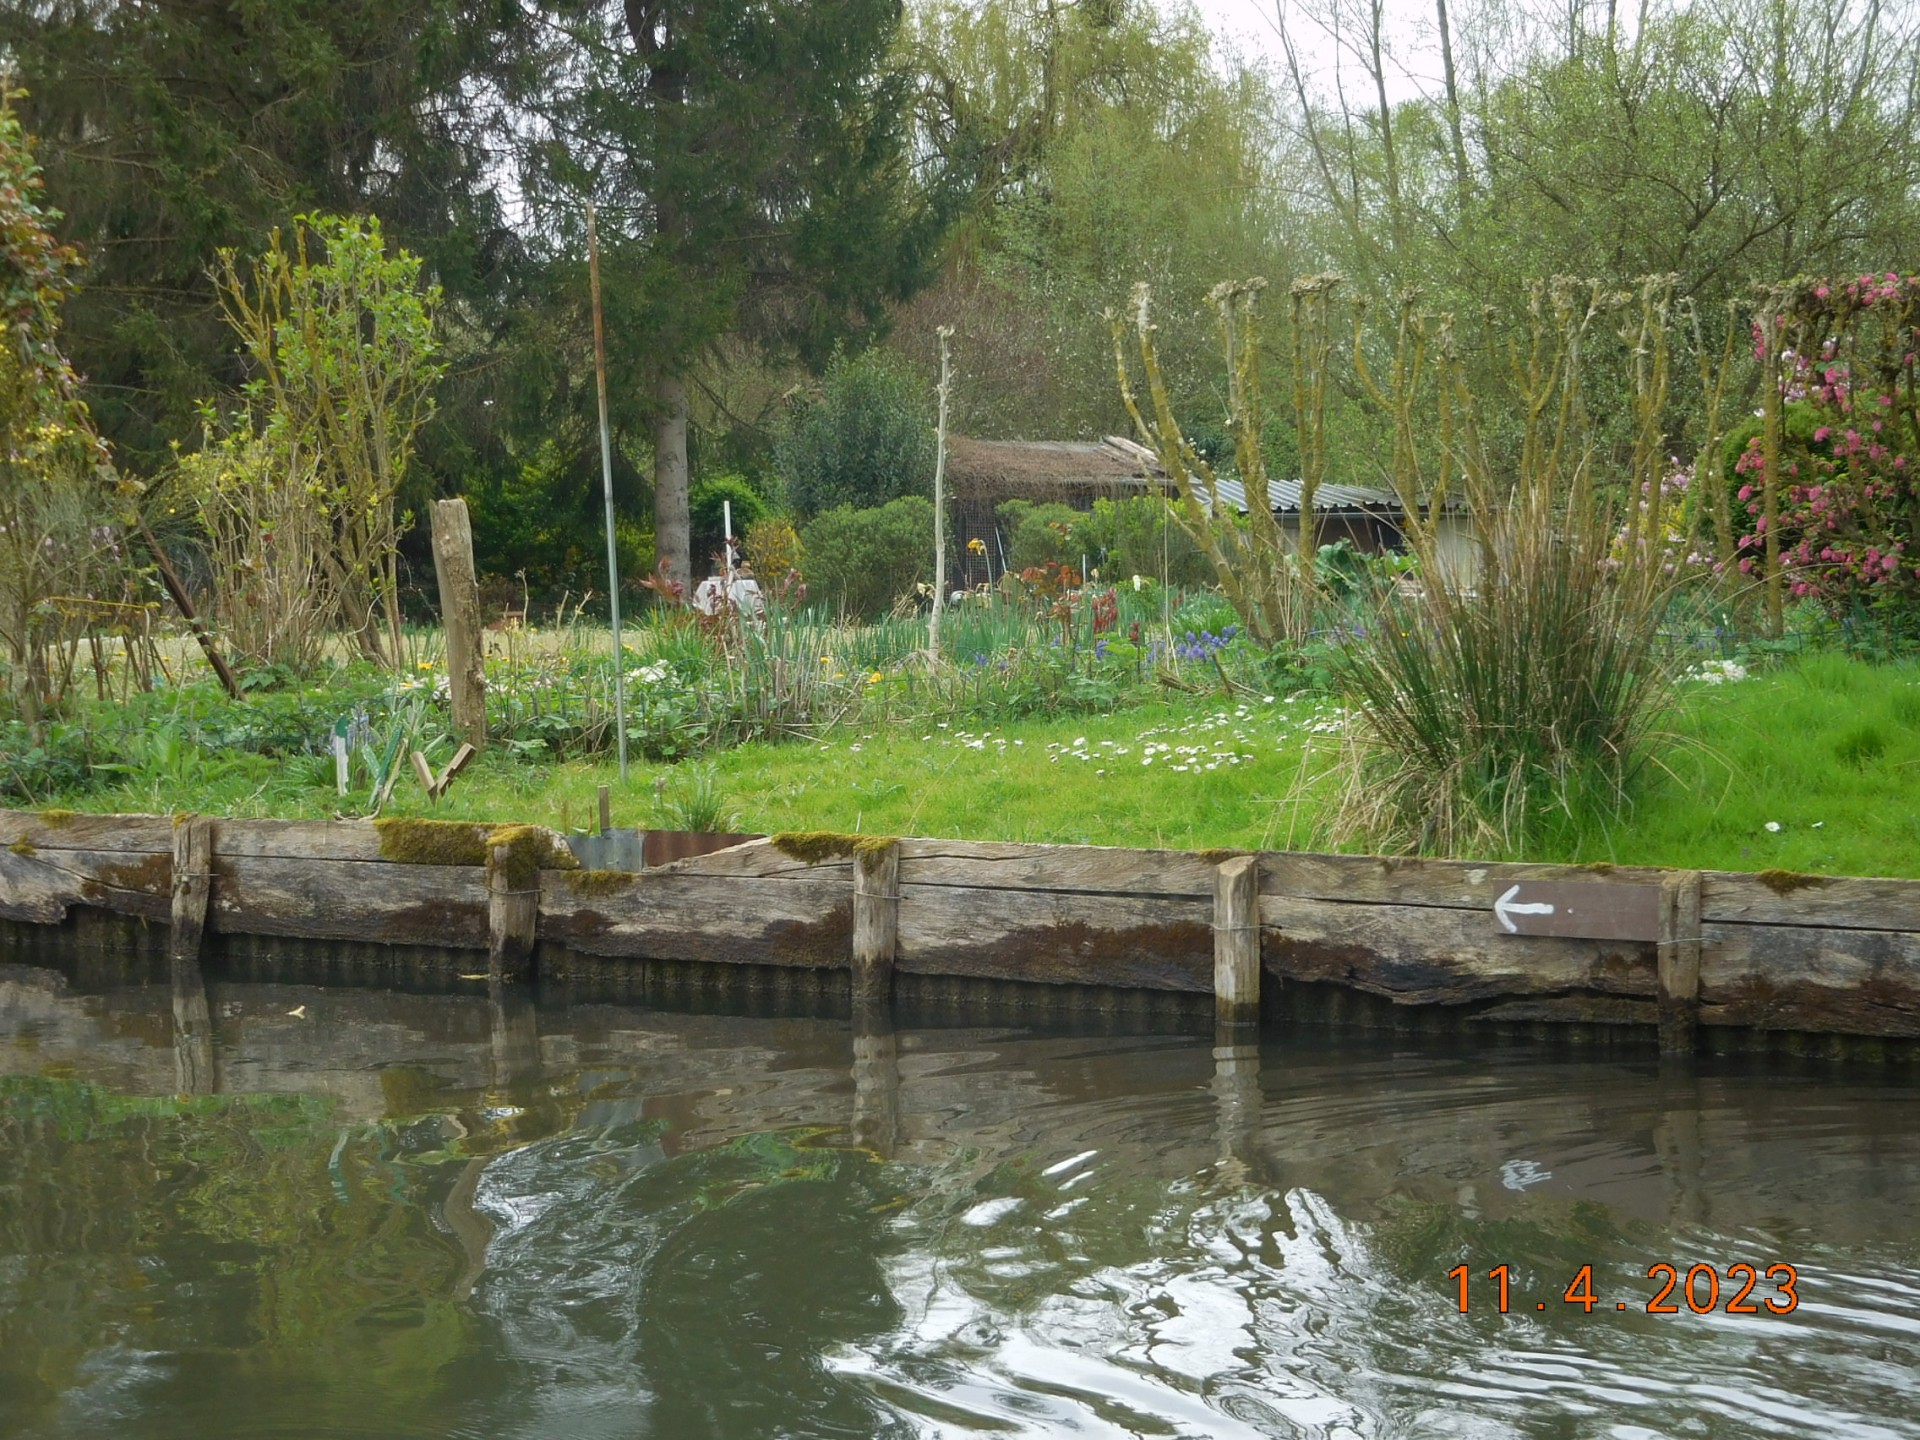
[[940, 502], [606, 476]]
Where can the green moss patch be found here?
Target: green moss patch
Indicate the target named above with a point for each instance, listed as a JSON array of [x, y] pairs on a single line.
[[530, 848], [1785, 882], [814, 846], [56, 818], [431, 842], [23, 846]]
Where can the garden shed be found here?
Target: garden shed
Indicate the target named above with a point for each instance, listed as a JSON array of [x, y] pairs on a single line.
[[984, 474]]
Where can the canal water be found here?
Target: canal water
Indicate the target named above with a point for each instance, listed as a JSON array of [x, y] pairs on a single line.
[[254, 1210]]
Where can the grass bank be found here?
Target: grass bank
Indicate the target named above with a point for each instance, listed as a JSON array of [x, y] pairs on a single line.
[[1815, 767]]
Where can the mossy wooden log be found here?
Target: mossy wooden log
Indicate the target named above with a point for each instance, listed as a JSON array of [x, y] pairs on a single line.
[[1059, 936], [1780, 897]]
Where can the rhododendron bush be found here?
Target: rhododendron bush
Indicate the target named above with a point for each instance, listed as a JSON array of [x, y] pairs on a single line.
[[1839, 521]]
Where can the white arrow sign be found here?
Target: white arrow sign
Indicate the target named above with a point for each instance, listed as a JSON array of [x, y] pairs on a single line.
[[1505, 906]]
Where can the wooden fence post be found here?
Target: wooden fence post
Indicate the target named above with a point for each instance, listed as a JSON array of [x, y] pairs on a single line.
[[876, 921], [512, 915], [1679, 962], [1236, 941], [460, 614], [192, 877]]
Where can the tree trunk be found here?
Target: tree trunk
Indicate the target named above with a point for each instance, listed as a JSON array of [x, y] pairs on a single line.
[[1454, 132], [670, 520]]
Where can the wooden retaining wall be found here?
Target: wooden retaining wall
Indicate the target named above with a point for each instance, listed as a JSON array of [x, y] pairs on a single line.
[[1770, 951]]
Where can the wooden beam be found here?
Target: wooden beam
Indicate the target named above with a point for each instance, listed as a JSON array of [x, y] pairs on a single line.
[[1236, 941], [1677, 961], [876, 922]]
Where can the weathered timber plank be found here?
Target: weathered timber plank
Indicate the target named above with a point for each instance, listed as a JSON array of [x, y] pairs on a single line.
[[1792, 977], [376, 900], [1060, 937], [1452, 884], [876, 923], [1090, 868], [301, 839], [1782, 899], [662, 915], [41, 885], [756, 860], [149, 834], [1432, 955]]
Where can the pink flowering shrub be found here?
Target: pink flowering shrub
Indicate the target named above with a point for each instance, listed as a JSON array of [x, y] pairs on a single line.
[[1848, 502]]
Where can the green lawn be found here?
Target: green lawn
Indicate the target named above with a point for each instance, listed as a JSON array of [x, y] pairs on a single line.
[[1827, 750]]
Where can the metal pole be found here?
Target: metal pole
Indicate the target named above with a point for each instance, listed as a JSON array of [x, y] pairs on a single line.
[[606, 475]]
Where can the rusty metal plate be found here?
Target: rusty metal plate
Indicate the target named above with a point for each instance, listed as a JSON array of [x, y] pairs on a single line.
[[1580, 910]]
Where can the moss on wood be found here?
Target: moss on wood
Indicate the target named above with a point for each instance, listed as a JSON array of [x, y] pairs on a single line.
[[407, 841], [23, 846], [56, 818], [1785, 882], [530, 848], [1220, 857], [814, 846], [591, 883]]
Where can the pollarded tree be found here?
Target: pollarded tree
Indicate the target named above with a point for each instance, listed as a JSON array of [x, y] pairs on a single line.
[[752, 159]]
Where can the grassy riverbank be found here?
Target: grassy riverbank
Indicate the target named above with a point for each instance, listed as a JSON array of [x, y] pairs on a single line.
[[1815, 767]]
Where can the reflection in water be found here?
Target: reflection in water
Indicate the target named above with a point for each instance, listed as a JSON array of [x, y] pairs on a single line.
[[474, 1215]]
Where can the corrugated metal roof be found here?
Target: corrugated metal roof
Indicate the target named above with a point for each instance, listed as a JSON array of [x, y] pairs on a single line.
[[1284, 495]]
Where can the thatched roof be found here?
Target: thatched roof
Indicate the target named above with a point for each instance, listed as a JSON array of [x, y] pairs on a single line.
[[996, 470]]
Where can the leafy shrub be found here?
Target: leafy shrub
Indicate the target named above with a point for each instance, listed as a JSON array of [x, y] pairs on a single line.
[[1138, 535], [867, 440], [706, 509], [861, 561], [1040, 534]]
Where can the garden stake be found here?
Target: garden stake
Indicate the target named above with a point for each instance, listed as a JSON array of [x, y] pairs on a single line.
[[606, 476]]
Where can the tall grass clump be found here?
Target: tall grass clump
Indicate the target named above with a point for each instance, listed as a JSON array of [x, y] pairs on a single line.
[[1517, 688]]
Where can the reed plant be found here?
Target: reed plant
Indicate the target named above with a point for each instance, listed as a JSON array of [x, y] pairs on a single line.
[[1493, 701]]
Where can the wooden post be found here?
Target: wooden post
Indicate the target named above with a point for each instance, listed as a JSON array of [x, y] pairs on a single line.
[[460, 614], [876, 921], [1236, 941], [512, 915], [606, 809], [1679, 962], [192, 874]]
